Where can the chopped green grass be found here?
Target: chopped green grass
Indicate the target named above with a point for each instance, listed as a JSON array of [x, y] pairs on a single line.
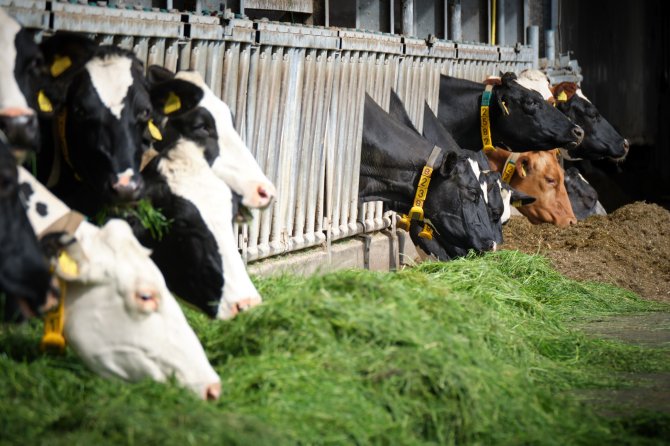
[[474, 351], [151, 219]]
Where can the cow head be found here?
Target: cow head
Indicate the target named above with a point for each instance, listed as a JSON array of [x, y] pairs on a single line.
[[522, 120], [601, 140], [24, 274], [120, 317], [539, 175], [391, 159], [102, 112], [22, 75], [583, 197], [194, 111]]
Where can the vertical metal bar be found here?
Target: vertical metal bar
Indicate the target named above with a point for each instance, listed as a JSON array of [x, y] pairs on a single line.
[[392, 17], [456, 31], [327, 13], [526, 20], [407, 17], [445, 5], [500, 25], [533, 39], [550, 49]]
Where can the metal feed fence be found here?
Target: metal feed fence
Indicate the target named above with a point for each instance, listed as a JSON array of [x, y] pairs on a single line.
[[297, 94]]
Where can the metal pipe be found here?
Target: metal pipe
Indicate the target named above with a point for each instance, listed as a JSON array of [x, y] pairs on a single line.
[[550, 46], [456, 32], [499, 22], [326, 7], [408, 17], [492, 21], [445, 3], [533, 39], [392, 17], [526, 19]]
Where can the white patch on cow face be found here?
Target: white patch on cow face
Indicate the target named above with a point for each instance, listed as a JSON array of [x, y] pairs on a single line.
[[41, 195], [581, 94], [10, 93], [474, 165], [189, 176], [507, 198], [122, 320], [235, 165], [537, 81], [111, 77]]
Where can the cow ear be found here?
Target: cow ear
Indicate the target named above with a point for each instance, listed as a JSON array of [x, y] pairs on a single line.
[[448, 163], [175, 97], [523, 166], [520, 198], [157, 74], [64, 55], [507, 78]]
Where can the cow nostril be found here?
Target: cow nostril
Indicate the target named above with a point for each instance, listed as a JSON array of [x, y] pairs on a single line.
[[213, 392], [262, 192], [578, 132]]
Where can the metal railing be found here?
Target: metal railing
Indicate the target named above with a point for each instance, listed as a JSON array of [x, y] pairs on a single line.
[[297, 94]]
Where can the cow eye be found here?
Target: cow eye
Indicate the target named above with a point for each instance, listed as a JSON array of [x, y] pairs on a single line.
[[144, 115], [550, 180], [146, 300], [79, 111]]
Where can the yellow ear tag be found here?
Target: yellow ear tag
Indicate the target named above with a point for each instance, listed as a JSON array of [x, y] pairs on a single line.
[[155, 133], [562, 97], [68, 265], [426, 232], [60, 64], [172, 104], [505, 107], [44, 103]]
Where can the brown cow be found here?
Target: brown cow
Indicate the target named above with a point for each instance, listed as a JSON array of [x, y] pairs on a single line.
[[540, 175]]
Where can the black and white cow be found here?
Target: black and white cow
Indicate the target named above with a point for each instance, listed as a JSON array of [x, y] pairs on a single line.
[[199, 255], [22, 75], [24, 273], [583, 197], [392, 157], [601, 140], [119, 316], [520, 118], [100, 124]]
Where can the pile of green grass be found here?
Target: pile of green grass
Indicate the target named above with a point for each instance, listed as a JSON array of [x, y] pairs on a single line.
[[475, 351]]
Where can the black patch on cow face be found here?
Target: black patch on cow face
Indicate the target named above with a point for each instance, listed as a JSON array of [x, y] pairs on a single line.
[[583, 197], [197, 125], [30, 70], [601, 140], [188, 254], [41, 209], [24, 270], [531, 124], [101, 145]]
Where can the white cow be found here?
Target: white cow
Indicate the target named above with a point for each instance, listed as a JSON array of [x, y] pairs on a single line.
[[120, 317]]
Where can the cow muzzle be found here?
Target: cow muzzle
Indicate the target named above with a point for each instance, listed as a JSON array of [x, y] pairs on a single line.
[[261, 196], [578, 133], [21, 129], [127, 187]]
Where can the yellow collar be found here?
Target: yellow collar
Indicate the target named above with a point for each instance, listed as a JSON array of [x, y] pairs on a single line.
[[485, 120], [416, 212], [54, 320], [510, 167]]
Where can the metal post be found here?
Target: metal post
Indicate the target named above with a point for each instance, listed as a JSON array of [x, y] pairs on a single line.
[[526, 19], [392, 14], [408, 17], [242, 8], [500, 26], [327, 13], [550, 47], [446, 19], [533, 39], [456, 32]]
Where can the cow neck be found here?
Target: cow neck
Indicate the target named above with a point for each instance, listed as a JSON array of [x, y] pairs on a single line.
[[62, 151], [460, 111], [416, 212]]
